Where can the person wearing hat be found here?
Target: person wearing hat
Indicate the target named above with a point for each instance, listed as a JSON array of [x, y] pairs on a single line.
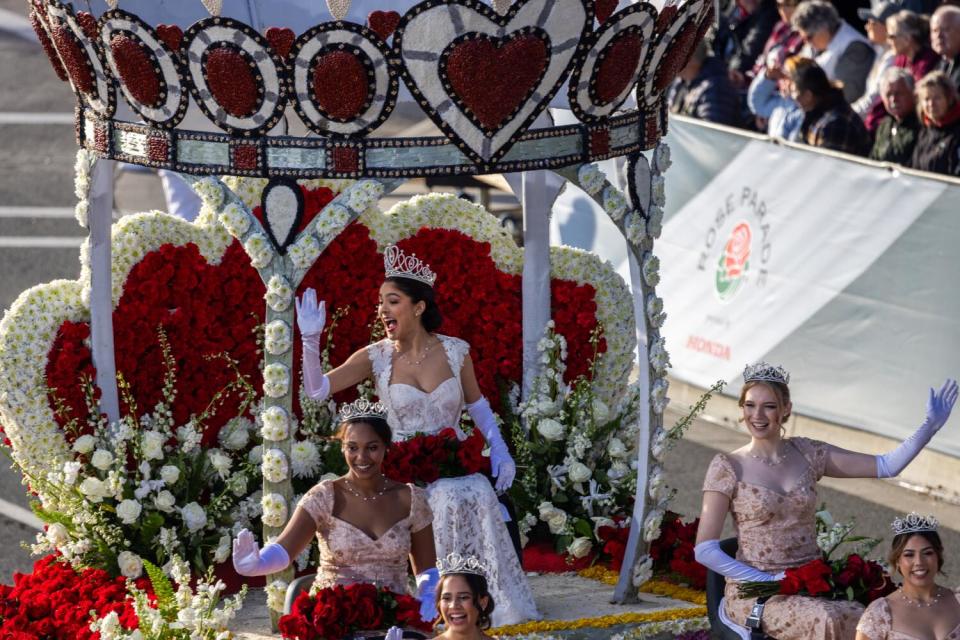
[[868, 106]]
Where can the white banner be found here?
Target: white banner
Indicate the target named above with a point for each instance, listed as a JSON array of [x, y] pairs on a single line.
[[767, 243]]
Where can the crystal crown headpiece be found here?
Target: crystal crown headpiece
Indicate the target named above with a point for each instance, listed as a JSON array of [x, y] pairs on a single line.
[[397, 264], [362, 409], [913, 523], [766, 372], [456, 563]]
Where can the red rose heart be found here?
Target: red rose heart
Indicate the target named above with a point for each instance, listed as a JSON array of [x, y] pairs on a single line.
[[88, 24], [171, 35], [280, 39], [604, 9], [383, 23]]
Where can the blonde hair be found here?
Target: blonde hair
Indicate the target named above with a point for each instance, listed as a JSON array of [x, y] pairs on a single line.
[[780, 391], [940, 80], [794, 64]]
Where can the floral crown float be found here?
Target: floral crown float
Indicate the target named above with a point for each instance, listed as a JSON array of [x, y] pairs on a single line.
[[456, 563], [913, 523], [765, 372], [360, 409], [397, 264], [482, 74]]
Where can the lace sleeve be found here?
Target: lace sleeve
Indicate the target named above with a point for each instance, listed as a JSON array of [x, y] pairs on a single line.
[[815, 452], [380, 362], [318, 502], [420, 513], [456, 350], [720, 476], [875, 623]]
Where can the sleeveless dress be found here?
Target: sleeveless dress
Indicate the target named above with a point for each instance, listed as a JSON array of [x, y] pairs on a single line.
[[348, 555], [877, 623], [466, 513], [776, 532]]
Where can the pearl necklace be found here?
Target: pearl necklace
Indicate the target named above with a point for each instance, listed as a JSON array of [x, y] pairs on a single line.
[[376, 495], [423, 356], [920, 603], [768, 461]]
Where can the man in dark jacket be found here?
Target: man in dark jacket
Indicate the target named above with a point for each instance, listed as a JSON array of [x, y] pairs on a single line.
[[742, 32], [703, 90], [828, 121], [897, 132], [945, 40]]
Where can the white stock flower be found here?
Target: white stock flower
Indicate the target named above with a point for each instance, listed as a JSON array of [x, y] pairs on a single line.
[[101, 459], [304, 459], [274, 465], [304, 252], [84, 444], [194, 517], [279, 293], [276, 595], [128, 511], [591, 179], [151, 446], [277, 337], [258, 248], [189, 437], [616, 448], [165, 501], [274, 509], [235, 435], [130, 564], [550, 429], [276, 424], [578, 472], [580, 547], [70, 472], [234, 219], [276, 380], [169, 474]]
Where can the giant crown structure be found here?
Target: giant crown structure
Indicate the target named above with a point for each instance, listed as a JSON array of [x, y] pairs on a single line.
[[482, 77]]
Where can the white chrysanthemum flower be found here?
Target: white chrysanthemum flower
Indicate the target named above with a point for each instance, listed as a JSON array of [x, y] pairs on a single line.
[[655, 223], [304, 459], [220, 462], [276, 595], [259, 249], [277, 337], [276, 424], [274, 465], [276, 380], [129, 511], [651, 525], [363, 195], [659, 357], [274, 510], [194, 517], [651, 269], [658, 395], [304, 252], [656, 484], [331, 220], [591, 179], [658, 192], [209, 191], [614, 203], [279, 293], [234, 219], [635, 227], [661, 157], [653, 306]]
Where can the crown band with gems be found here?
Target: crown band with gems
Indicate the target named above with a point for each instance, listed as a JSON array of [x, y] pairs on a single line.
[[397, 264], [456, 563], [362, 409], [765, 372], [913, 523]]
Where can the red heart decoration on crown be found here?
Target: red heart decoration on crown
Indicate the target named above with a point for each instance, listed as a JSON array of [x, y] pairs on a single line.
[[383, 23], [89, 25], [172, 36], [280, 39], [603, 9]]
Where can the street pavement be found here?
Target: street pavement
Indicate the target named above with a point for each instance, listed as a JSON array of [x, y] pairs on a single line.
[[39, 242]]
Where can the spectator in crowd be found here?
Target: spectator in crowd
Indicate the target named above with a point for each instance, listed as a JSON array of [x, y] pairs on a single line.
[[897, 132], [843, 53], [703, 90], [743, 30], [783, 38], [828, 121], [868, 106], [909, 36], [938, 143], [770, 98], [945, 40]]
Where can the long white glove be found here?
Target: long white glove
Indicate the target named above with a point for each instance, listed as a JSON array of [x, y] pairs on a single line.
[[394, 633], [248, 560], [709, 554], [939, 406], [427, 593], [502, 464], [311, 318]]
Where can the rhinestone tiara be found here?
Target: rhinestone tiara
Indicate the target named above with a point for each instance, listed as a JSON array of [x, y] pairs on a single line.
[[362, 409], [456, 563], [397, 264], [766, 372], [913, 523]]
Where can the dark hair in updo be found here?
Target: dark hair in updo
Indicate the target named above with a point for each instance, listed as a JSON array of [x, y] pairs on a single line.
[[420, 292], [379, 426], [900, 542], [479, 589]]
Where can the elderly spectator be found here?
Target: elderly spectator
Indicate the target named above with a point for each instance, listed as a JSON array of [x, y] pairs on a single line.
[[897, 133], [868, 106], [839, 49], [909, 36], [828, 121], [743, 30], [783, 39], [945, 40], [939, 140], [703, 90], [770, 98]]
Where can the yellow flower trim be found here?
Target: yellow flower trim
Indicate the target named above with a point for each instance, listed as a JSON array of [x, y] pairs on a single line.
[[600, 622], [656, 587]]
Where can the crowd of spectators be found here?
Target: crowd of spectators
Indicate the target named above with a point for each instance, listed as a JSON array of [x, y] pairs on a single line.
[[878, 81]]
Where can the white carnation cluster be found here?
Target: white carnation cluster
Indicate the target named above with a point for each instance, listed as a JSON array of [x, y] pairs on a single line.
[[651, 269], [614, 203], [277, 337], [304, 252], [235, 219], [279, 293], [651, 524], [653, 306], [259, 249], [364, 195], [274, 466], [276, 424], [331, 220], [636, 228], [642, 571], [591, 179], [276, 380], [659, 357], [274, 509], [82, 170]]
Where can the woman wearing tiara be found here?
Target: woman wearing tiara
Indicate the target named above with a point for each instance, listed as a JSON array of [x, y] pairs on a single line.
[[920, 608], [463, 599], [769, 485], [367, 526], [425, 380]]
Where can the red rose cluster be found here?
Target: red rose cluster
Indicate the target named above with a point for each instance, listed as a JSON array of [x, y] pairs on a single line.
[[614, 540], [672, 552], [426, 458], [339, 611], [55, 602], [852, 578]]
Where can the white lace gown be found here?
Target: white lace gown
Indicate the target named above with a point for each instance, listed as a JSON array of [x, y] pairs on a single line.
[[466, 513]]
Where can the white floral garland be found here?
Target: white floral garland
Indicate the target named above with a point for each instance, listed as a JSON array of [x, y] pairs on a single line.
[[82, 171]]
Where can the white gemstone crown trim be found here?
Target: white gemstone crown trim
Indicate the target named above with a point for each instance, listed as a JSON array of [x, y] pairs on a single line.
[[362, 409], [765, 372], [913, 523], [397, 264], [456, 563]]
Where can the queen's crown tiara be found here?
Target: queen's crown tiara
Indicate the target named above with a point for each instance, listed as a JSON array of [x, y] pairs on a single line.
[[397, 264], [456, 563], [362, 409], [913, 523], [766, 372]]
